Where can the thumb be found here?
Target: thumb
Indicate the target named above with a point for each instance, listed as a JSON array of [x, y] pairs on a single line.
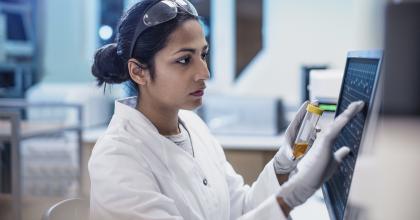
[[301, 112], [339, 156], [341, 153], [293, 128]]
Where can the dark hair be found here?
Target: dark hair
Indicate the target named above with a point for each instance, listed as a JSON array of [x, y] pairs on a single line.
[[110, 62]]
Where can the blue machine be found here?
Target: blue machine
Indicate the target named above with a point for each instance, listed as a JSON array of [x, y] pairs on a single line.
[[17, 48]]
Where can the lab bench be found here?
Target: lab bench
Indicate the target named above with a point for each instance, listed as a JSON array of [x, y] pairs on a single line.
[[14, 129]]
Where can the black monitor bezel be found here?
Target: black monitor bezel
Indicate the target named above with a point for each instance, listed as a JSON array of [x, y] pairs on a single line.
[[370, 54]]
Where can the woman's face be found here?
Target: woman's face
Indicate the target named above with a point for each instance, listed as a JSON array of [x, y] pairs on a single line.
[[180, 69]]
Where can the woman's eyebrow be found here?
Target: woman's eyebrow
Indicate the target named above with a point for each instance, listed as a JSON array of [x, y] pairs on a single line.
[[191, 50]]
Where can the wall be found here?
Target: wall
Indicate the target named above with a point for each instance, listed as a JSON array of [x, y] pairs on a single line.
[[70, 40], [294, 33], [308, 32]]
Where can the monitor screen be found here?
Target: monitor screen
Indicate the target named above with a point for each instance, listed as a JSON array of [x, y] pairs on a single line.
[[15, 19], [15, 27], [359, 83]]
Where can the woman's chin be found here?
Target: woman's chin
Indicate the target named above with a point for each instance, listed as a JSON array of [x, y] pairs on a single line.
[[193, 105]]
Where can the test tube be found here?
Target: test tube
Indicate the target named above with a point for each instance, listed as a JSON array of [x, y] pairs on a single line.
[[306, 130]]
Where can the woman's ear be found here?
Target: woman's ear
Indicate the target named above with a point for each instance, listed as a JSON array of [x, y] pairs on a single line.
[[137, 73]]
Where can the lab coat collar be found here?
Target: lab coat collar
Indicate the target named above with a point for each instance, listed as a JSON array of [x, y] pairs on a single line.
[[163, 147], [126, 108]]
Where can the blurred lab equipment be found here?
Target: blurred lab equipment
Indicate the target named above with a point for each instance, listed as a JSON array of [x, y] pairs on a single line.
[[241, 115], [14, 79], [97, 106], [324, 86], [17, 32], [19, 47], [305, 79], [39, 158]]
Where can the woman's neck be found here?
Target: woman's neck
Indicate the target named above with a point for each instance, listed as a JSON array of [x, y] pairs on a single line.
[[164, 119]]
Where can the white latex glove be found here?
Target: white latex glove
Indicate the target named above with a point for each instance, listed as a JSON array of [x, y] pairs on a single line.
[[319, 163], [283, 160]]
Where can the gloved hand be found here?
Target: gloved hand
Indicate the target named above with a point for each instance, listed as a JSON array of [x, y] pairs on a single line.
[[283, 160], [319, 163]]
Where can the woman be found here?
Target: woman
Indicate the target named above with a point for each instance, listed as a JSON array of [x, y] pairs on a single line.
[[157, 159]]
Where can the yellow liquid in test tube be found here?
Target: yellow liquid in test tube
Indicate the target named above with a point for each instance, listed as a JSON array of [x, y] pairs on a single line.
[[299, 150]]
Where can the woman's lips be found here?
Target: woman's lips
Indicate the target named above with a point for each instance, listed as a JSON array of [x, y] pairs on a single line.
[[198, 93]]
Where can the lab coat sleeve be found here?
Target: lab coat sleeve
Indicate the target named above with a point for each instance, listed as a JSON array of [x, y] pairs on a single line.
[[124, 189], [248, 203], [257, 200], [269, 209]]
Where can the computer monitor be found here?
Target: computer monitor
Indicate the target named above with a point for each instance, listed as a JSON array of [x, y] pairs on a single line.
[[14, 80], [360, 82], [305, 71], [18, 34]]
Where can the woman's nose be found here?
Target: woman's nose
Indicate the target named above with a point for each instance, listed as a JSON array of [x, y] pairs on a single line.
[[202, 71]]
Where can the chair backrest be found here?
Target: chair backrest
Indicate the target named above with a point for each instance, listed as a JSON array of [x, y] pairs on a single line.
[[69, 209]]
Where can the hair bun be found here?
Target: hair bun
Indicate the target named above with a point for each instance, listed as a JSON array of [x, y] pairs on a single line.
[[108, 67]]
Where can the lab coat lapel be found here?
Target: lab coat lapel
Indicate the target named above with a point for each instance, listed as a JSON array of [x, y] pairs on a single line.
[[164, 149], [141, 126], [213, 201]]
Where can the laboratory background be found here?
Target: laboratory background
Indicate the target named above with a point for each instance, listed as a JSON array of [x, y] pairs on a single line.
[[266, 58]]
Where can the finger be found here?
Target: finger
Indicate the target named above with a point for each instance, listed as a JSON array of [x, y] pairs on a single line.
[[302, 111], [351, 110], [345, 117], [315, 102], [314, 136], [311, 140], [333, 165], [341, 153], [295, 124]]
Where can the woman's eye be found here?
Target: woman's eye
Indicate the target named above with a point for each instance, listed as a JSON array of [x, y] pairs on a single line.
[[204, 56], [184, 60]]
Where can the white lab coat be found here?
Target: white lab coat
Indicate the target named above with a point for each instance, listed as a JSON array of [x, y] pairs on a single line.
[[136, 173]]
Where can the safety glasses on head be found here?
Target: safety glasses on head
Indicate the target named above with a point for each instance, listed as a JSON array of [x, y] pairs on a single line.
[[159, 12]]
